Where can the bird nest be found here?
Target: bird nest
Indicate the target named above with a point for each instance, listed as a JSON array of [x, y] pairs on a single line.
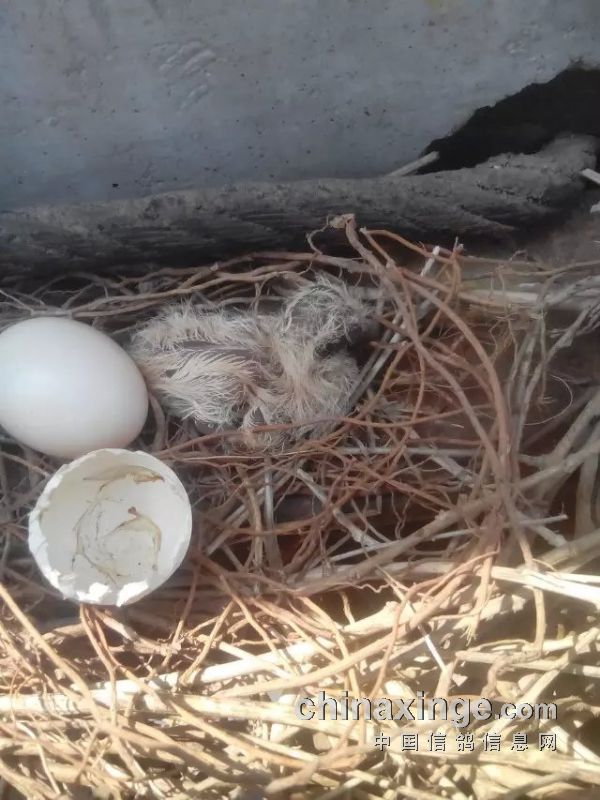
[[440, 541]]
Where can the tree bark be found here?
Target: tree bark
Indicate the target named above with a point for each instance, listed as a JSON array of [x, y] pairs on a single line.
[[497, 198]]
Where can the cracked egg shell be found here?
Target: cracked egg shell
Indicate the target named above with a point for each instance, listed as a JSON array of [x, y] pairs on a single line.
[[110, 527]]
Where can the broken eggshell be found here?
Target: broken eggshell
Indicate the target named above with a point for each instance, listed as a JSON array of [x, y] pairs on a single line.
[[110, 527]]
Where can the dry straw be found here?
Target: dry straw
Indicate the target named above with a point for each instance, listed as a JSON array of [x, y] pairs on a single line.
[[444, 538]]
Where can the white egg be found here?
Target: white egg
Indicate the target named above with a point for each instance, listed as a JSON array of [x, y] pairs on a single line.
[[67, 389]]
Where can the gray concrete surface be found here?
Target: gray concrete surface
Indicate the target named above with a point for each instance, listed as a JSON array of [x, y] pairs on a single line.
[[103, 99]]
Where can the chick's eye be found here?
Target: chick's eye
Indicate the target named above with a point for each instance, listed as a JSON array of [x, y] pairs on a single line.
[[356, 333], [330, 347], [359, 334]]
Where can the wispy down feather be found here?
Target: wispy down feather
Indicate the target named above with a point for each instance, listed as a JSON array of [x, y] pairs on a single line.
[[236, 370]]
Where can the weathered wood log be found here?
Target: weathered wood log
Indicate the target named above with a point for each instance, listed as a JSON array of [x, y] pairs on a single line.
[[499, 197]]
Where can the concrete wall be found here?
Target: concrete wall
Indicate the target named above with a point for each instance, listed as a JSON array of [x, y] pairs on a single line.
[[120, 98]]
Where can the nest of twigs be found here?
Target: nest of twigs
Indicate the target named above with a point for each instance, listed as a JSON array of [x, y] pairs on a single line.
[[443, 539]]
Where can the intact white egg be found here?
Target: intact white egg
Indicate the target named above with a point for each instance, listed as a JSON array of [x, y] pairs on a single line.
[[67, 389]]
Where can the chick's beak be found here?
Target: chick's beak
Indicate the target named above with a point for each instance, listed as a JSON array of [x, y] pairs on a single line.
[[357, 338]]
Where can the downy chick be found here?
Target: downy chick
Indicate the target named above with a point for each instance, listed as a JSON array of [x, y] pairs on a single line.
[[236, 370]]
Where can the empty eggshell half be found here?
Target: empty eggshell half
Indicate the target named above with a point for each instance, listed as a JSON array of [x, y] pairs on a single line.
[[110, 527]]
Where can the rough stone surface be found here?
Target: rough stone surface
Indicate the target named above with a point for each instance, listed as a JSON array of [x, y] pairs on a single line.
[[493, 199], [124, 98]]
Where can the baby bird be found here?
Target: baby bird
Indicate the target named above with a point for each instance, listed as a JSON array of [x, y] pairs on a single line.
[[238, 370]]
